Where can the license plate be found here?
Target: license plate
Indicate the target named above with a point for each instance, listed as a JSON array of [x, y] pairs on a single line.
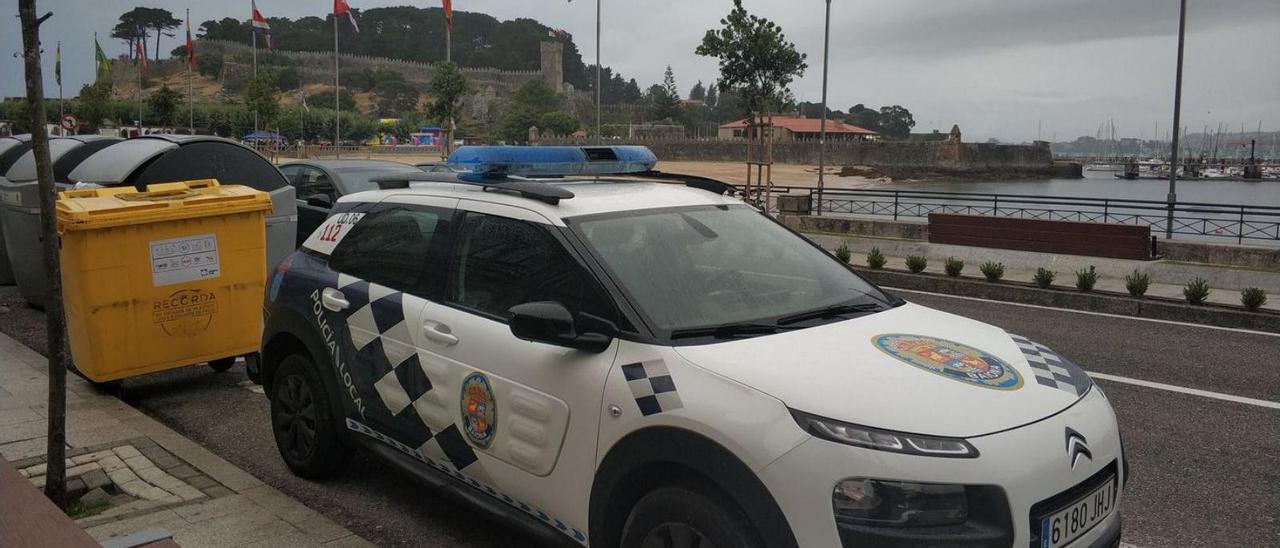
[[1063, 526]]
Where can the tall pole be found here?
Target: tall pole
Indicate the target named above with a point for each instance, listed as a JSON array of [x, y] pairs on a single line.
[[255, 70], [599, 137], [822, 135], [142, 59], [448, 58], [61, 111], [337, 105], [191, 98], [1177, 123], [55, 326]]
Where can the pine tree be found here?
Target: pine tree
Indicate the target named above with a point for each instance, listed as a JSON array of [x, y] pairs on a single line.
[[666, 98]]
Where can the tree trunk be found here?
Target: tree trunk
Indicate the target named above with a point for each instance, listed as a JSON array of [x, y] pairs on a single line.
[[158, 32], [55, 324]]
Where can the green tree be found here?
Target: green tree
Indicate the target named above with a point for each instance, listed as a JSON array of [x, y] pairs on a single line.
[[159, 20], [666, 98], [324, 99], [209, 65], [164, 103], [94, 103], [698, 92], [396, 98], [261, 96], [558, 123], [530, 102], [131, 29], [755, 59], [896, 122], [447, 87], [863, 117], [712, 98]]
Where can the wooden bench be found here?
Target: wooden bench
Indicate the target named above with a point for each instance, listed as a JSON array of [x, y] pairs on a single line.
[[1117, 241]]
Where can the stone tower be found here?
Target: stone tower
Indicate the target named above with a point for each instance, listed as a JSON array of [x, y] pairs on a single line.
[[553, 65]]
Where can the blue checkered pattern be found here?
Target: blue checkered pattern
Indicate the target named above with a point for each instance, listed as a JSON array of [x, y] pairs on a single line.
[[1051, 369], [651, 384]]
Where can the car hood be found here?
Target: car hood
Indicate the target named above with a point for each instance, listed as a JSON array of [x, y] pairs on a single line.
[[911, 369]]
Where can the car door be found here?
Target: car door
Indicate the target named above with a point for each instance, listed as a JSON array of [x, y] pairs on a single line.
[[529, 411], [316, 195], [388, 267]]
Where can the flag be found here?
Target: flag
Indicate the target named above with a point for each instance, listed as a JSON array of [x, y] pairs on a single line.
[[142, 56], [340, 7], [260, 25], [448, 15], [191, 46], [57, 64], [104, 62], [302, 97]]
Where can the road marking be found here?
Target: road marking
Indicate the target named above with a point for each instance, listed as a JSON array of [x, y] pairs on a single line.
[[1088, 312], [1184, 390]]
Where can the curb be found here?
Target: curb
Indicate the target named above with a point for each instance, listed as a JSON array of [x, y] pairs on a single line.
[[1108, 303]]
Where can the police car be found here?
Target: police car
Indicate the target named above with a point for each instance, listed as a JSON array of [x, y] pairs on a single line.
[[625, 362]]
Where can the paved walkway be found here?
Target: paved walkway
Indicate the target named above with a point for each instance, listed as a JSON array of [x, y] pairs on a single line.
[[147, 476], [1167, 277]]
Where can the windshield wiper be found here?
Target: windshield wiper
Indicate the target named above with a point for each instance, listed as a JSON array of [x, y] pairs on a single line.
[[727, 331], [833, 311]]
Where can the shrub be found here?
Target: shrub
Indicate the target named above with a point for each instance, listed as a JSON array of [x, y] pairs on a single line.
[[843, 253], [953, 267], [1044, 278], [1253, 297], [992, 270], [876, 259], [1086, 278], [1196, 292], [1137, 283], [916, 264]]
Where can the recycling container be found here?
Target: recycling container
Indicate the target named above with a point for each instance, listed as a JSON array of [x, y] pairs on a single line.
[[20, 209], [11, 148], [169, 277], [151, 159]]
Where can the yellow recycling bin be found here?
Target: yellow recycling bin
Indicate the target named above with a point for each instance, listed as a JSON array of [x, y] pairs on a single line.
[[161, 279]]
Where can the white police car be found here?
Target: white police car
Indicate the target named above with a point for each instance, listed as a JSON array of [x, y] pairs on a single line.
[[628, 363]]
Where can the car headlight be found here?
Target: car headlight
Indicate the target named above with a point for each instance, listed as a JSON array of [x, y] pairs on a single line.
[[900, 504], [884, 440]]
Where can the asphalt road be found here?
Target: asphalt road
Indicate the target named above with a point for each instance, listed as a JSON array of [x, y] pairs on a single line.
[[1206, 472]]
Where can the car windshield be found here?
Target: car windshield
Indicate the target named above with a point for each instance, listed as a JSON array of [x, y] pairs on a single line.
[[722, 271], [357, 179]]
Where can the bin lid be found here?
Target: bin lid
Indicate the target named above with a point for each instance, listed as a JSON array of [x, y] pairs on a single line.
[[97, 208], [93, 143], [25, 168], [149, 159], [11, 155]]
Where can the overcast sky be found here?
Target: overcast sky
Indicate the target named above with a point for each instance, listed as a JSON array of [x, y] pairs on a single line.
[[998, 68]]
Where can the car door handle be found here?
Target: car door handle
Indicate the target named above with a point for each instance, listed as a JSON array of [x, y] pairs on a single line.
[[438, 333], [334, 300]]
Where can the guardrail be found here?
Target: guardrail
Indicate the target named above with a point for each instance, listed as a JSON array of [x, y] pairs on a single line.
[[1238, 221]]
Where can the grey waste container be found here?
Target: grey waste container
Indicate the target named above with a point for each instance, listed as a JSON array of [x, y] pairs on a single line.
[[11, 148], [152, 159], [20, 209]]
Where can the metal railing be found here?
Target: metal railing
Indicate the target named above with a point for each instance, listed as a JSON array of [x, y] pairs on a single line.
[[1236, 221]]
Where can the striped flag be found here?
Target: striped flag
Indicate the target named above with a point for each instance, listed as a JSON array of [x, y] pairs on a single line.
[[340, 7], [448, 14], [260, 25], [191, 46], [103, 62], [142, 57]]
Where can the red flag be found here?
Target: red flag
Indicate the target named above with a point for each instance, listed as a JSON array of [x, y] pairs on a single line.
[[191, 46], [142, 56], [448, 15], [340, 7]]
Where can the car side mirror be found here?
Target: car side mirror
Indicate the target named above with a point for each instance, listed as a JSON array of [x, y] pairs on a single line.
[[551, 323], [320, 200]]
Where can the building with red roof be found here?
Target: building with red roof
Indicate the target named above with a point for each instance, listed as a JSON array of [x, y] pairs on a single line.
[[799, 128]]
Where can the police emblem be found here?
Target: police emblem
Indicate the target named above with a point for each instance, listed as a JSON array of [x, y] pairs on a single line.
[[479, 412], [950, 359]]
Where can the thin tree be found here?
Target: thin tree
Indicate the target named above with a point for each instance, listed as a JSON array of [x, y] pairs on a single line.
[[756, 60], [55, 486], [447, 86]]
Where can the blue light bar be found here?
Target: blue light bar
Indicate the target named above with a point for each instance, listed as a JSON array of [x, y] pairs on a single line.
[[536, 161]]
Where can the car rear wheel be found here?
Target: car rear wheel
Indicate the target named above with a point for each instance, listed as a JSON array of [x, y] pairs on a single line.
[[303, 422], [687, 517]]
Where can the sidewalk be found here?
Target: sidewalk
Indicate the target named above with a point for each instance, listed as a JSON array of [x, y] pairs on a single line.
[[140, 475], [1167, 277]]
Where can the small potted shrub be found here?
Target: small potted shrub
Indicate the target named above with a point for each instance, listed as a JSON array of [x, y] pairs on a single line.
[[876, 259], [1253, 298], [1196, 292], [992, 270], [953, 267], [1086, 278], [843, 253], [1137, 283], [1044, 278], [916, 264]]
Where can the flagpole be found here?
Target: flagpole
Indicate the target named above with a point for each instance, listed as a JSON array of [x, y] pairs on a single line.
[[448, 58], [61, 111], [191, 98], [141, 60], [255, 74], [599, 137], [337, 104]]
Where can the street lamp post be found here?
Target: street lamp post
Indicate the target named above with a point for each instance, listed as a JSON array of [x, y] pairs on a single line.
[[1177, 123], [599, 137], [822, 135]]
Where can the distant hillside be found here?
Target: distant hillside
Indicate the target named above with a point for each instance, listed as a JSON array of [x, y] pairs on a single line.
[[418, 34]]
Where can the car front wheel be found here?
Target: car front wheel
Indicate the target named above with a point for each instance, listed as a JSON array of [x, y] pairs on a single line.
[[303, 421], [686, 517]]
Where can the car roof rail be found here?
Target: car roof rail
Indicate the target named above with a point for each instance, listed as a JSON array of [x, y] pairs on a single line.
[[699, 182], [542, 192]]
